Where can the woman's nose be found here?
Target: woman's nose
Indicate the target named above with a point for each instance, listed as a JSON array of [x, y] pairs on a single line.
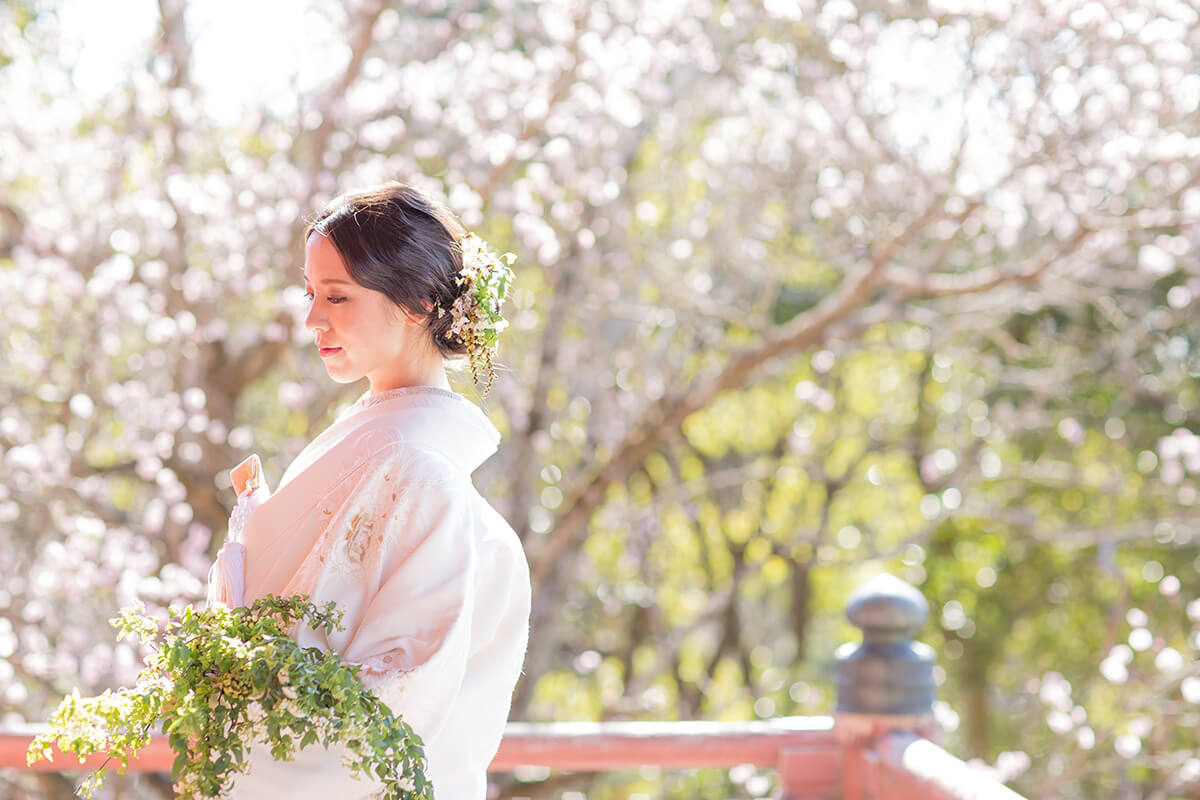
[[315, 321]]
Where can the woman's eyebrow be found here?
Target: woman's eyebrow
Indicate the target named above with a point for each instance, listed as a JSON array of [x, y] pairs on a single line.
[[331, 281]]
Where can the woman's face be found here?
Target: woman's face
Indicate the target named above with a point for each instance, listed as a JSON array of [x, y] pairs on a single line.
[[359, 331]]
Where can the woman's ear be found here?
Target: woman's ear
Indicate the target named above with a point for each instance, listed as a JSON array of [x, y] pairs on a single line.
[[413, 319]]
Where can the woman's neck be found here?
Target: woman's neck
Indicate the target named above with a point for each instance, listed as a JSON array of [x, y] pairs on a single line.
[[428, 372]]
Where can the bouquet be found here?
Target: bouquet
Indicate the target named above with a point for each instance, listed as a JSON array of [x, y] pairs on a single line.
[[222, 678]]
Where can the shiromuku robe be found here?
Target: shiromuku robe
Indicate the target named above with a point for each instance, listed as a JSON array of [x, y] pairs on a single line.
[[378, 514]]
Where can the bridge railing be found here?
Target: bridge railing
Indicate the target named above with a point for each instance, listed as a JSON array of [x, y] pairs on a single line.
[[809, 760], [872, 748]]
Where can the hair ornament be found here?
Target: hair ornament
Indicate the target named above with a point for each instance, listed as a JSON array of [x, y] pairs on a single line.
[[483, 284]]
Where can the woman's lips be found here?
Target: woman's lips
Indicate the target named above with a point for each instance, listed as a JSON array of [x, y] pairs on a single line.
[[328, 351]]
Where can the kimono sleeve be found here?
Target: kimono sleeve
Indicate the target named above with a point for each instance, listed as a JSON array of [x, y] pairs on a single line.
[[401, 565], [413, 638]]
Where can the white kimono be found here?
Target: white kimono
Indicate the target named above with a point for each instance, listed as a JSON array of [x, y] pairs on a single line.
[[379, 514]]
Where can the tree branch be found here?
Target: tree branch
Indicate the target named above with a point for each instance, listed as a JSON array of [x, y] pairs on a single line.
[[909, 283]]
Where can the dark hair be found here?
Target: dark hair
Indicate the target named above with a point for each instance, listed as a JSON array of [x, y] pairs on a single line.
[[397, 241]]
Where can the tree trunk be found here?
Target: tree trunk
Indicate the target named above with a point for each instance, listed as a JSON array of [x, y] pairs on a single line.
[[801, 611], [977, 707]]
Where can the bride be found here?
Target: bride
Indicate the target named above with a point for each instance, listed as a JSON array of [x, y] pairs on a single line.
[[378, 513]]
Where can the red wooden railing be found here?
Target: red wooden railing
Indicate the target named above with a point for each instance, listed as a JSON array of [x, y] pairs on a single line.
[[870, 750], [812, 757]]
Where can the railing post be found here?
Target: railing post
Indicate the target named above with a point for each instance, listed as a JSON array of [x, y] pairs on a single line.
[[883, 684], [886, 682]]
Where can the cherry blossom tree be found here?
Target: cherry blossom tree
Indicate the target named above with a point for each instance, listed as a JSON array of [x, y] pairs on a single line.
[[804, 290]]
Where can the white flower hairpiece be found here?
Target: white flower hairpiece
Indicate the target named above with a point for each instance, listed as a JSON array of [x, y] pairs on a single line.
[[476, 318]]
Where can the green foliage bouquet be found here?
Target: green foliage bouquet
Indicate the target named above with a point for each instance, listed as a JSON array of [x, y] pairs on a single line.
[[222, 678]]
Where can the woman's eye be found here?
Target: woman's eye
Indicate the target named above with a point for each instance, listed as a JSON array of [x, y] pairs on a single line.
[[335, 300]]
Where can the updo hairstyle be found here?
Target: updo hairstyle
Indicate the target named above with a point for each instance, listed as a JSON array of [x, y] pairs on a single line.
[[397, 241]]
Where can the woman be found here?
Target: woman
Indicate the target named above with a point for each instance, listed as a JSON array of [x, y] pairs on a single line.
[[378, 513]]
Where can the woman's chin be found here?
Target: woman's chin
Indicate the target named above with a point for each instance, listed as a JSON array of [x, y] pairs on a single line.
[[341, 376]]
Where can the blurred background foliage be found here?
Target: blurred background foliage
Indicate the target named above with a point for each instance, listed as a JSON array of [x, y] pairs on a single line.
[[806, 291]]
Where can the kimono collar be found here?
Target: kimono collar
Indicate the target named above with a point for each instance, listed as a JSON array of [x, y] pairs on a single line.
[[436, 418]]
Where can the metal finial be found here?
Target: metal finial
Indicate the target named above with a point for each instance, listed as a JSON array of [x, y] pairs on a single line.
[[888, 673]]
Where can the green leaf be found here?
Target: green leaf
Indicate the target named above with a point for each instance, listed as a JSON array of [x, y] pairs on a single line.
[[211, 662]]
